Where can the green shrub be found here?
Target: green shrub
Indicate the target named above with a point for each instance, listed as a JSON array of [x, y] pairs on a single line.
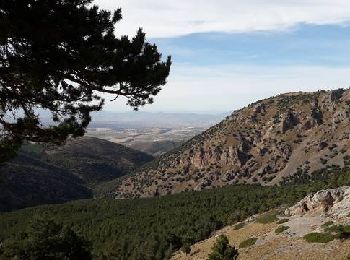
[[247, 243], [340, 231], [222, 250], [267, 218], [186, 249], [327, 224], [280, 229], [283, 220], [319, 237]]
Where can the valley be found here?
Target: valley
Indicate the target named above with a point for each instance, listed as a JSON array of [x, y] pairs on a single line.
[[153, 133], [154, 141]]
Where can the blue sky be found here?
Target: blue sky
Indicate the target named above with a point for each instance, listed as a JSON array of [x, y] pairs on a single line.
[[327, 45], [227, 54]]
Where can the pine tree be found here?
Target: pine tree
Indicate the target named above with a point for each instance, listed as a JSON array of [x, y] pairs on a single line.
[[222, 250], [58, 57]]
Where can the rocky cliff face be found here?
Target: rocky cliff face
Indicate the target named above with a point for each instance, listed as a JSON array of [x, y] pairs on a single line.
[[331, 202], [266, 142]]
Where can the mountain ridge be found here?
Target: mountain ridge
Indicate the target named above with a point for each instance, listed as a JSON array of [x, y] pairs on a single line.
[[263, 143], [96, 160]]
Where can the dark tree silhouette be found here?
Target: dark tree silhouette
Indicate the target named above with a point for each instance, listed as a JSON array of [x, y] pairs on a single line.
[[57, 57]]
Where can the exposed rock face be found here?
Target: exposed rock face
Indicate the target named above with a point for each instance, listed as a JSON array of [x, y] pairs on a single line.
[[337, 94], [333, 202], [290, 120], [265, 143]]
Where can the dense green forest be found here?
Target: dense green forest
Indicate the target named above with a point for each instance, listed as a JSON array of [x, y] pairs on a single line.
[[153, 228]]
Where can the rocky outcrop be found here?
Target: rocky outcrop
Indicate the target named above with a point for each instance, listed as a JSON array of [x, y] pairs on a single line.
[[289, 121], [334, 202], [337, 94]]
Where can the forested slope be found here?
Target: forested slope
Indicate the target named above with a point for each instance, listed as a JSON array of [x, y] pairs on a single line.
[[154, 228]]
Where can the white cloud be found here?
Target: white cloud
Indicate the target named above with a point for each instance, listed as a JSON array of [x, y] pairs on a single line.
[[164, 18], [226, 88]]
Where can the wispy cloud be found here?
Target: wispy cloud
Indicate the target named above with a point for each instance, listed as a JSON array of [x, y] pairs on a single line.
[[259, 48], [162, 18]]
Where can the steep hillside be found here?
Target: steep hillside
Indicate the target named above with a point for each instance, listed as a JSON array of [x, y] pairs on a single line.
[[28, 181], [95, 160], [318, 227], [266, 143], [42, 175]]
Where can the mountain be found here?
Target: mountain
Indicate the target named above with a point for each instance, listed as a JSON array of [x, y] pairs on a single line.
[[56, 174], [95, 160], [268, 142]]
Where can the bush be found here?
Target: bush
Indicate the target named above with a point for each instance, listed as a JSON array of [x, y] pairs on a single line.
[[340, 231], [280, 229], [186, 249], [239, 226], [283, 220], [327, 224], [222, 250], [247, 243], [319, 237]]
